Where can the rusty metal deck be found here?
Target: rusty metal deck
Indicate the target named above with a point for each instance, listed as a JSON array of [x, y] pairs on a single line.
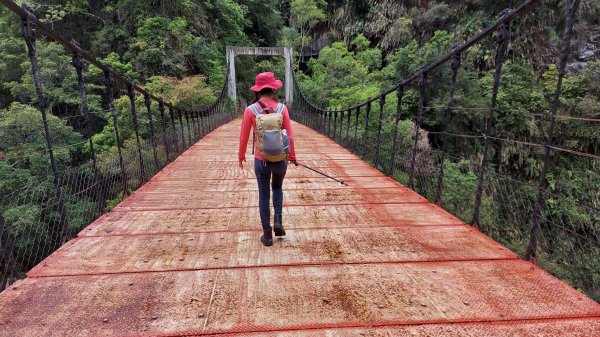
[[181, 257]]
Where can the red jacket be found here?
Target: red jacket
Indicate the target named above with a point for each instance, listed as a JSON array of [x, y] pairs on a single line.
[[249, 122]]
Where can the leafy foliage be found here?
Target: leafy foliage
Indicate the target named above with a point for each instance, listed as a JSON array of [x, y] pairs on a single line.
[[305, 15], [23, 143], [188, 93]]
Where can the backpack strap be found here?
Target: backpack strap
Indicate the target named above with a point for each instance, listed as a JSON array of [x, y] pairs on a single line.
[[279, 108], [256, 109], [259, 107]]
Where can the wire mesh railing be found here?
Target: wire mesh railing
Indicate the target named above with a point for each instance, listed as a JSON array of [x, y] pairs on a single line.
[[63, 164], [544, 214]]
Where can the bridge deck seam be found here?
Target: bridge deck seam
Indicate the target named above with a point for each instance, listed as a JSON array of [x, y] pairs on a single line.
[[132, 208], [389, 324], [246, 178], [259, 230], [256, 190], [293, 265]]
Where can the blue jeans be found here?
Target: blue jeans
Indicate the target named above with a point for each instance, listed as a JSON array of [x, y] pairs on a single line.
[[264, 170]]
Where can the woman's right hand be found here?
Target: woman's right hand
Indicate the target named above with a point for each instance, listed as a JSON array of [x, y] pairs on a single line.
[[241, 162]]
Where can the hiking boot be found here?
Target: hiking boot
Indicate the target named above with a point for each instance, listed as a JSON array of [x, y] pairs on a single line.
[[278, 226], [267, 237]]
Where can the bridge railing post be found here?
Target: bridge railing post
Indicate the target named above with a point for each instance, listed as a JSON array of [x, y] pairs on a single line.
[[348, 121], [174, 129], [366, 133], [209, 117], [340, 132], [131, 95], [400, 95], [531, 254], [335, 128], [194, 126], [299, 108], [29, 35], [216, 116], [161, 109], [148, 104], [334, 116], [304, 108], [503, 38], [379, 126], [356, 122], [455, 65], [328, 119], [320, 119], [199, 123], [109, 83], [194, 117], [421, 107], [180, 118], [203, 122], [313, 117], [212, 118], [207, 120], [77, 62], [189, 128], [340, 128], [220, 116], [324, 120]]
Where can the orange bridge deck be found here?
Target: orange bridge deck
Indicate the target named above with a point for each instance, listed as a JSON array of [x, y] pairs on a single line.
[[181, 257]]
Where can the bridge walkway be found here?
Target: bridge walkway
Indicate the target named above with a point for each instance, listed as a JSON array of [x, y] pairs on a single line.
[[181, 257]]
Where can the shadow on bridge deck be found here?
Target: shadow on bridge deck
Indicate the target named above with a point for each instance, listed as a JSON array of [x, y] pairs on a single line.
[[181, 256]]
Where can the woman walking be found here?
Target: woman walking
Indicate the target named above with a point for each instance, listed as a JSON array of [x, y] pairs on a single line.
[[273, 147]]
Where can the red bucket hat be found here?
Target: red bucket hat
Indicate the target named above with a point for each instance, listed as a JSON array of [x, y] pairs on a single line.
[[266, 80]]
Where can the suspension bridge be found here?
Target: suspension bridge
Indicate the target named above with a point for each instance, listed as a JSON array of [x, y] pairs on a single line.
[[179, 255]]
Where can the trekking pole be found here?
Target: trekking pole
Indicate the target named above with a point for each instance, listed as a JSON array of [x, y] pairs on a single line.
[[323, 174]]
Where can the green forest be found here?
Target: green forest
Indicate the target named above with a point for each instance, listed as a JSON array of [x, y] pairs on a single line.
[[176, 49]]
